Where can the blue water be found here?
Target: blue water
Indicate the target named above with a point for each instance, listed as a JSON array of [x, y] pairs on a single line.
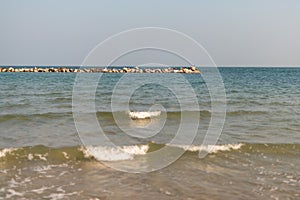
[[262, 104], [256, 157]]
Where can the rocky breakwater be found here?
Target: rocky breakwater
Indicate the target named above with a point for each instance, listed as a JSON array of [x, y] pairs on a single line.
[[185, 70]]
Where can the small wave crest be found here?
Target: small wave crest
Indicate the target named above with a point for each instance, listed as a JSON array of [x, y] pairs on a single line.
[[103, 153], [209, 148], [6, 151], [128, 152], [143, 115]]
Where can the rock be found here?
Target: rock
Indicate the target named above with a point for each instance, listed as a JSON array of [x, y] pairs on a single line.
[[11, 69], [193, 68], [186, 71], [126, 70], [105, 70], [93, 70]]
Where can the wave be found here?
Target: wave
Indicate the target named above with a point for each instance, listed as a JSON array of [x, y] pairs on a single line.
[[28, 117], [118, 153], [143, 115], [246, 112], [209, 148], [4, 152], [103, 153], [132, 114]]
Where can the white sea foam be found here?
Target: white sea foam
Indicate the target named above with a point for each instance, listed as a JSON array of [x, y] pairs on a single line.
[[3, 152], [66, 155], [56, 196], [4, 171], [42, 189], [209, 148], [44, 168], [16, 182], [143, 115], [13, 183], [41, 156], [103, 153], [30, 157], [13, 193]]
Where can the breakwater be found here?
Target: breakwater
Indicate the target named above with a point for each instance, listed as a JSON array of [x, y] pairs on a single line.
[[186, 70]]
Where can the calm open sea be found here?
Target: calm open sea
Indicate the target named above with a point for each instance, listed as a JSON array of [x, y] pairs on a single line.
[[257, 155]]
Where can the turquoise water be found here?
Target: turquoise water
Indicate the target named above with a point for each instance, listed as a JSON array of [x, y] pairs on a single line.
[[262, 127]]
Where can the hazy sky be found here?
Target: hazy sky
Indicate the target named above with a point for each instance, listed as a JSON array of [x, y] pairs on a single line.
[[235, 32]]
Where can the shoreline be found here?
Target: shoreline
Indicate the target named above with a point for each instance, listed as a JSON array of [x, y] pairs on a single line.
[[185, 70]]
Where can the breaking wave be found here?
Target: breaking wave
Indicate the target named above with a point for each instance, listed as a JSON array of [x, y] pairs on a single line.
[[4, 152], [143, 115], [209, 148], [103, 153], [118, 153]]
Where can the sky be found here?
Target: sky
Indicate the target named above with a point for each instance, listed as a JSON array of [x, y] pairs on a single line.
[[234, 32]]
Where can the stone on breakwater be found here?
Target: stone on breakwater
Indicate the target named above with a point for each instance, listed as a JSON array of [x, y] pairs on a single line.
[[11, 69]]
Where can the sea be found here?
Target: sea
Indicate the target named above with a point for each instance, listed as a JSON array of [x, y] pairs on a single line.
[[144, 136]]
